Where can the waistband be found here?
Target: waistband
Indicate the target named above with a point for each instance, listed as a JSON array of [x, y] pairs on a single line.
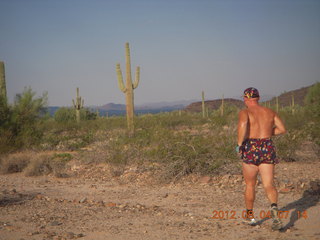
[[258, 139]]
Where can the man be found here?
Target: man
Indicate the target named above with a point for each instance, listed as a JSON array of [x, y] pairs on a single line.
[[256, 126]]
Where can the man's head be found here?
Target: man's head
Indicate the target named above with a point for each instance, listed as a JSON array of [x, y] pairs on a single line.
[[251, 95], [251, 92]]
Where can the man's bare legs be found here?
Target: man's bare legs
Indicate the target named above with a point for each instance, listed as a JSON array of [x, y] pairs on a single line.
[[250, 173], [267, 173]]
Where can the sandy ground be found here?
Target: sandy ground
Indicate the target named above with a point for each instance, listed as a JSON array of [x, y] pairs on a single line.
[[104, 207]]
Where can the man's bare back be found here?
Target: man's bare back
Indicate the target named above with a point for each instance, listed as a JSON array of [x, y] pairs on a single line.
[[258, 122]]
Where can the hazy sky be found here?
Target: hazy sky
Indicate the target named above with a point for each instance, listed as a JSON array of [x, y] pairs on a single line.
[[182, 47]]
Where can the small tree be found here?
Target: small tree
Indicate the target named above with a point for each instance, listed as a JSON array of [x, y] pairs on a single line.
[[26, 112]]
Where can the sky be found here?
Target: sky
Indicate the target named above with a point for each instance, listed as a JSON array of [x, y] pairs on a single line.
[[183, 47]]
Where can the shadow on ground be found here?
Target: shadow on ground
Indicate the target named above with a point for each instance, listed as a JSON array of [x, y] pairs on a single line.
[[14, 199], [310, 198]]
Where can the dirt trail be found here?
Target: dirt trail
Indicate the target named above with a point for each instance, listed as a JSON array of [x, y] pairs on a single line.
[[119, 208]]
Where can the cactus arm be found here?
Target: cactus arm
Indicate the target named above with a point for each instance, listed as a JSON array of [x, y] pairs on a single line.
[[82, 103], [120, 79], [74, 104], [136, 81]]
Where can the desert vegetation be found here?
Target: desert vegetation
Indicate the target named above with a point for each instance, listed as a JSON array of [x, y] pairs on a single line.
[[178, 143]]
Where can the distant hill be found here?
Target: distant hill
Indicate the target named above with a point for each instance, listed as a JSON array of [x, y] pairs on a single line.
[[112, 107], [285, 99]]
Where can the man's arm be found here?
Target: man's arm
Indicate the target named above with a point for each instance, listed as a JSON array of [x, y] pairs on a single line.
[[279, 127], [242, 126]]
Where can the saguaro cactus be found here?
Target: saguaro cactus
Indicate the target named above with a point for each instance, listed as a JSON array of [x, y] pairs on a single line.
[[277, 104], [3, 89], [128, 88], [203, 106], [78, 104], [222, 106], [292, 104]]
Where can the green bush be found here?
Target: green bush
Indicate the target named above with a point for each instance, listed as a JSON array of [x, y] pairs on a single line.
[[65, 114], [4, 113], [19, 123]]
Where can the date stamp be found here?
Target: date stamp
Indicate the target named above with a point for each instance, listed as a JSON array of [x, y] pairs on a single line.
[[233, 214]]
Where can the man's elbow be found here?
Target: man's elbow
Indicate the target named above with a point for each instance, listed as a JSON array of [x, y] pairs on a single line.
[[283, 131]]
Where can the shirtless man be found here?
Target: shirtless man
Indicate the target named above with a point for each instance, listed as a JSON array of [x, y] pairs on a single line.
[[256, 126]]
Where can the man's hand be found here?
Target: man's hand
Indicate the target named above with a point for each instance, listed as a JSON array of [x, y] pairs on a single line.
[[237, 148]]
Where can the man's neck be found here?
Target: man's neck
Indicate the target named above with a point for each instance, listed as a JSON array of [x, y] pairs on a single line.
[[252, 103]]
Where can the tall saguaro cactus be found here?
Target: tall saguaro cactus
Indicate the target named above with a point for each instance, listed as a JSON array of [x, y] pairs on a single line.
[[78, 104], [128, 88], [203, 106], [3, 88], [292, 104], [222, 106]]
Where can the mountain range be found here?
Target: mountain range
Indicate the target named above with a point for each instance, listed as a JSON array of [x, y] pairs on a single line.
[[284, 99]]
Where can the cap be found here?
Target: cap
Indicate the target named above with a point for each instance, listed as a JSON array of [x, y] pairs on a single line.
[[251, 93]]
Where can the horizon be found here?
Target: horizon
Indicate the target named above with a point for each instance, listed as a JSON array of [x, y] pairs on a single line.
[[263, 98], [181, 46]]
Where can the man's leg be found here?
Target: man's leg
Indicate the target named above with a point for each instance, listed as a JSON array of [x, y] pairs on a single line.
[[267, 173], [250, 173]]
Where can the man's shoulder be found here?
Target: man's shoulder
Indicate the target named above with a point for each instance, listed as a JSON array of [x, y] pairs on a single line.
[[271, 111], [243, 111]]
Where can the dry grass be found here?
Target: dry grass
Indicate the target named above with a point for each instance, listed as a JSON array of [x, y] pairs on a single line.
[[35, 164], [15, 162]]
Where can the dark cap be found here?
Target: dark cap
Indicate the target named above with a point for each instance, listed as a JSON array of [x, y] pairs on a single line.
[[251, 93]]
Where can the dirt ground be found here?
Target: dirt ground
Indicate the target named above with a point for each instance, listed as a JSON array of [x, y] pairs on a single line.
[[94, 205]]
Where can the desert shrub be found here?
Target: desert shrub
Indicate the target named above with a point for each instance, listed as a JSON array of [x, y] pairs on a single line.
[[66, 114], [20, 127], [4, 112], [287, 145], [180, 151], [40, 165], [71, 139], [6, 141], [15, 162], [62, 157], [170, 120], [312, 100], [312, 129], [294, 121], [33, 164], [44, 164], [88, 114]]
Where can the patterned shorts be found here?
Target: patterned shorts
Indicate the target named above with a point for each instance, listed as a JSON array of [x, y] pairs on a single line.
[[256, 151]]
